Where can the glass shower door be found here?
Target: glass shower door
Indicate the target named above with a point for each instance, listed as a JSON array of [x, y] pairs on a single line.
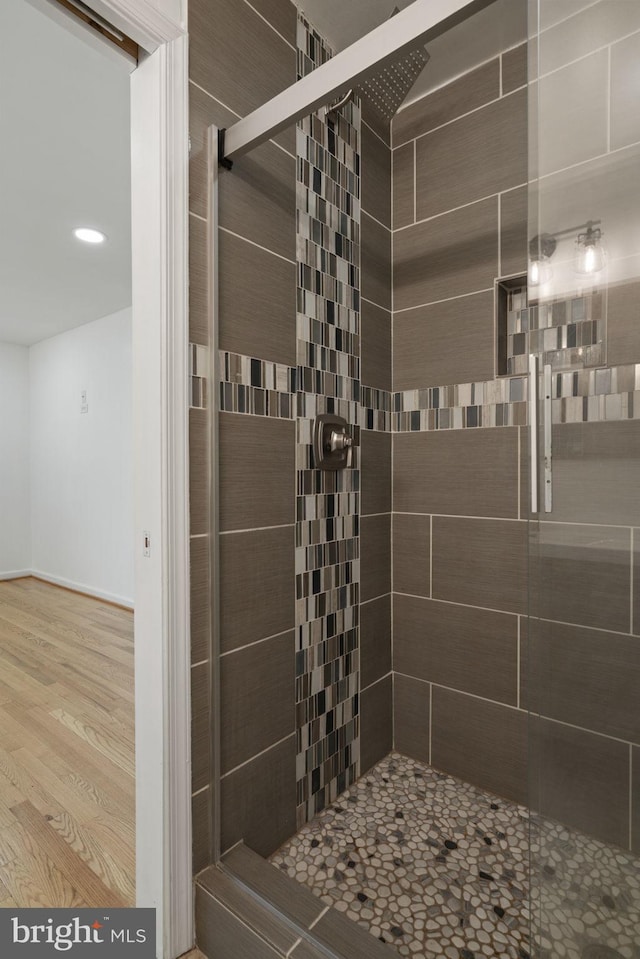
[[581, 665]]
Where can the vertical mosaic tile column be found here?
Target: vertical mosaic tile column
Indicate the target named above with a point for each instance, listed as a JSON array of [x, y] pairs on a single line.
[[327, 503]]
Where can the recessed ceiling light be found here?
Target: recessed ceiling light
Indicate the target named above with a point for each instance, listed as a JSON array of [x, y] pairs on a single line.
[[89, 236]]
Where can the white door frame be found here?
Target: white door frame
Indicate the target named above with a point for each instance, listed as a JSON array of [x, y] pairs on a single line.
[[159, 182]]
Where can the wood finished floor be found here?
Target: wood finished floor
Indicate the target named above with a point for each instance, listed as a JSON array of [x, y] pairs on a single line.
[[67, 785]]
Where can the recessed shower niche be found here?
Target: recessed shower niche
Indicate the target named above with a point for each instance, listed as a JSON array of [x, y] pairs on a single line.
[[569, 332]]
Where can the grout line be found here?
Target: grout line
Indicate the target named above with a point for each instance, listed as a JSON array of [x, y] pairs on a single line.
[[630, 796], [375, 133], [380, 307], [597, 629], [497, 702], [429, 93], [199, 535], [494, 312], [447, 299], [257, 642], [211, 96], [259, 416], [499, 235], [415, 181], [456, 209], [202, 662], [430, 720], [576, 13], [393, 695], [237, 115], [318, 918], [631, 623], [357, 513], [515, 519], [431, 556], [375, 220], [464, 692], [555, 522], [197, 216], [269, 24], [504, 612], [391, 545], [584, 56], [294, 947], [500, 75], [387, 310], [255, 529], [199, 791], [406, 106], [609, 98], [257, 755], [449, 602], [462, 116], [518, 663], [499, 519], [589, 161], [224, 229], [376, 681]]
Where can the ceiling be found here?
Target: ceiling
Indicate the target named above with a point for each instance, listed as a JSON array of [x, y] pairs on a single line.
[[64, 103], [500, 25]]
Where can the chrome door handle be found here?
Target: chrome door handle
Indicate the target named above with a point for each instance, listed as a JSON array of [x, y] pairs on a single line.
[[546, 426], [546, 435], [533, 430]]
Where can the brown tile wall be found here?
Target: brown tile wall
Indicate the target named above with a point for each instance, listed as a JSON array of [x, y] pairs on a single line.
[[466, 567], [241, 54], [459, 539], [238, 59]]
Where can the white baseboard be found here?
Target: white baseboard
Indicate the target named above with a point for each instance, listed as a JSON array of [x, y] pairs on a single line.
[[16, 574], [82, 588]]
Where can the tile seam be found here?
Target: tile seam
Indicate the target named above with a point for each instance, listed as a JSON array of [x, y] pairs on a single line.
[[257, 755]]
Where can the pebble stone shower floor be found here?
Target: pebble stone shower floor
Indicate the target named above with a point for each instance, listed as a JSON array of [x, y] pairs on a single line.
[[439, 868]]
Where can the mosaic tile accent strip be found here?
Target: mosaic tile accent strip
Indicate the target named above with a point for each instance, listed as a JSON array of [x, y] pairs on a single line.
[[569, 333], [327, 503], [198, 376], [258, 387], [595, 396], [375, 409], [580, 396], [500, 402], [262, 388], [439, 868]]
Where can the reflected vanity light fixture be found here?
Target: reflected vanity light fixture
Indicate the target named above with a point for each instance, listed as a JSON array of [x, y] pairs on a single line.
[[89, 235], [589, 250], [590, 254], [541, 249]]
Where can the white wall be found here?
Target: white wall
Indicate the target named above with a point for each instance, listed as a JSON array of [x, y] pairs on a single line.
[[81, 463], [15, 534]]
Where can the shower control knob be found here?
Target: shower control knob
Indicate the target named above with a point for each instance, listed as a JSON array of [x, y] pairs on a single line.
[[338, 442], [332, 443]]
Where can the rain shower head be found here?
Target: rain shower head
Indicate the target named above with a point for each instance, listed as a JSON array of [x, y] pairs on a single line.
[[385, 91]]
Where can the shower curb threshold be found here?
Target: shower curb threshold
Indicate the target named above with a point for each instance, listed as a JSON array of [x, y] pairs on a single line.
[[246, 906]]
